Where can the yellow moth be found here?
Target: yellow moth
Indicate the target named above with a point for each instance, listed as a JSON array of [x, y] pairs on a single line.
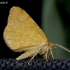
[[23, 34]]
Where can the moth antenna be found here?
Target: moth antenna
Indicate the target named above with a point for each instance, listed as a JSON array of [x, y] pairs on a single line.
[[63, 47]]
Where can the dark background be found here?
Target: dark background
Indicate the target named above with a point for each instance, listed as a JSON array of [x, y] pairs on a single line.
[[32, 7]]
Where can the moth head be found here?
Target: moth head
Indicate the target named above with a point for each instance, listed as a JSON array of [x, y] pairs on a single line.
[[51, 45]]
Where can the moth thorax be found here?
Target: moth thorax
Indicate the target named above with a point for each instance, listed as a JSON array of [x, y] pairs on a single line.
[[46, 49], [43, 50]]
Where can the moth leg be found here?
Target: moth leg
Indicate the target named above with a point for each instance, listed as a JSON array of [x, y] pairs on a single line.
[[33, 56], [51, 53], [37, 51], [47, 55], [26, 55]]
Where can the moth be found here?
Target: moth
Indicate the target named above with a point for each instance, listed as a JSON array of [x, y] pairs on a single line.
[[23, 34]]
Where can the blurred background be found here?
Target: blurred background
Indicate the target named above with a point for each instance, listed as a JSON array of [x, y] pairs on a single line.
[[53, 16], [56, 24]]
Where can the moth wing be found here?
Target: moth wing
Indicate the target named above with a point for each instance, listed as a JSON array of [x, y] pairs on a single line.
[[21, 31]]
